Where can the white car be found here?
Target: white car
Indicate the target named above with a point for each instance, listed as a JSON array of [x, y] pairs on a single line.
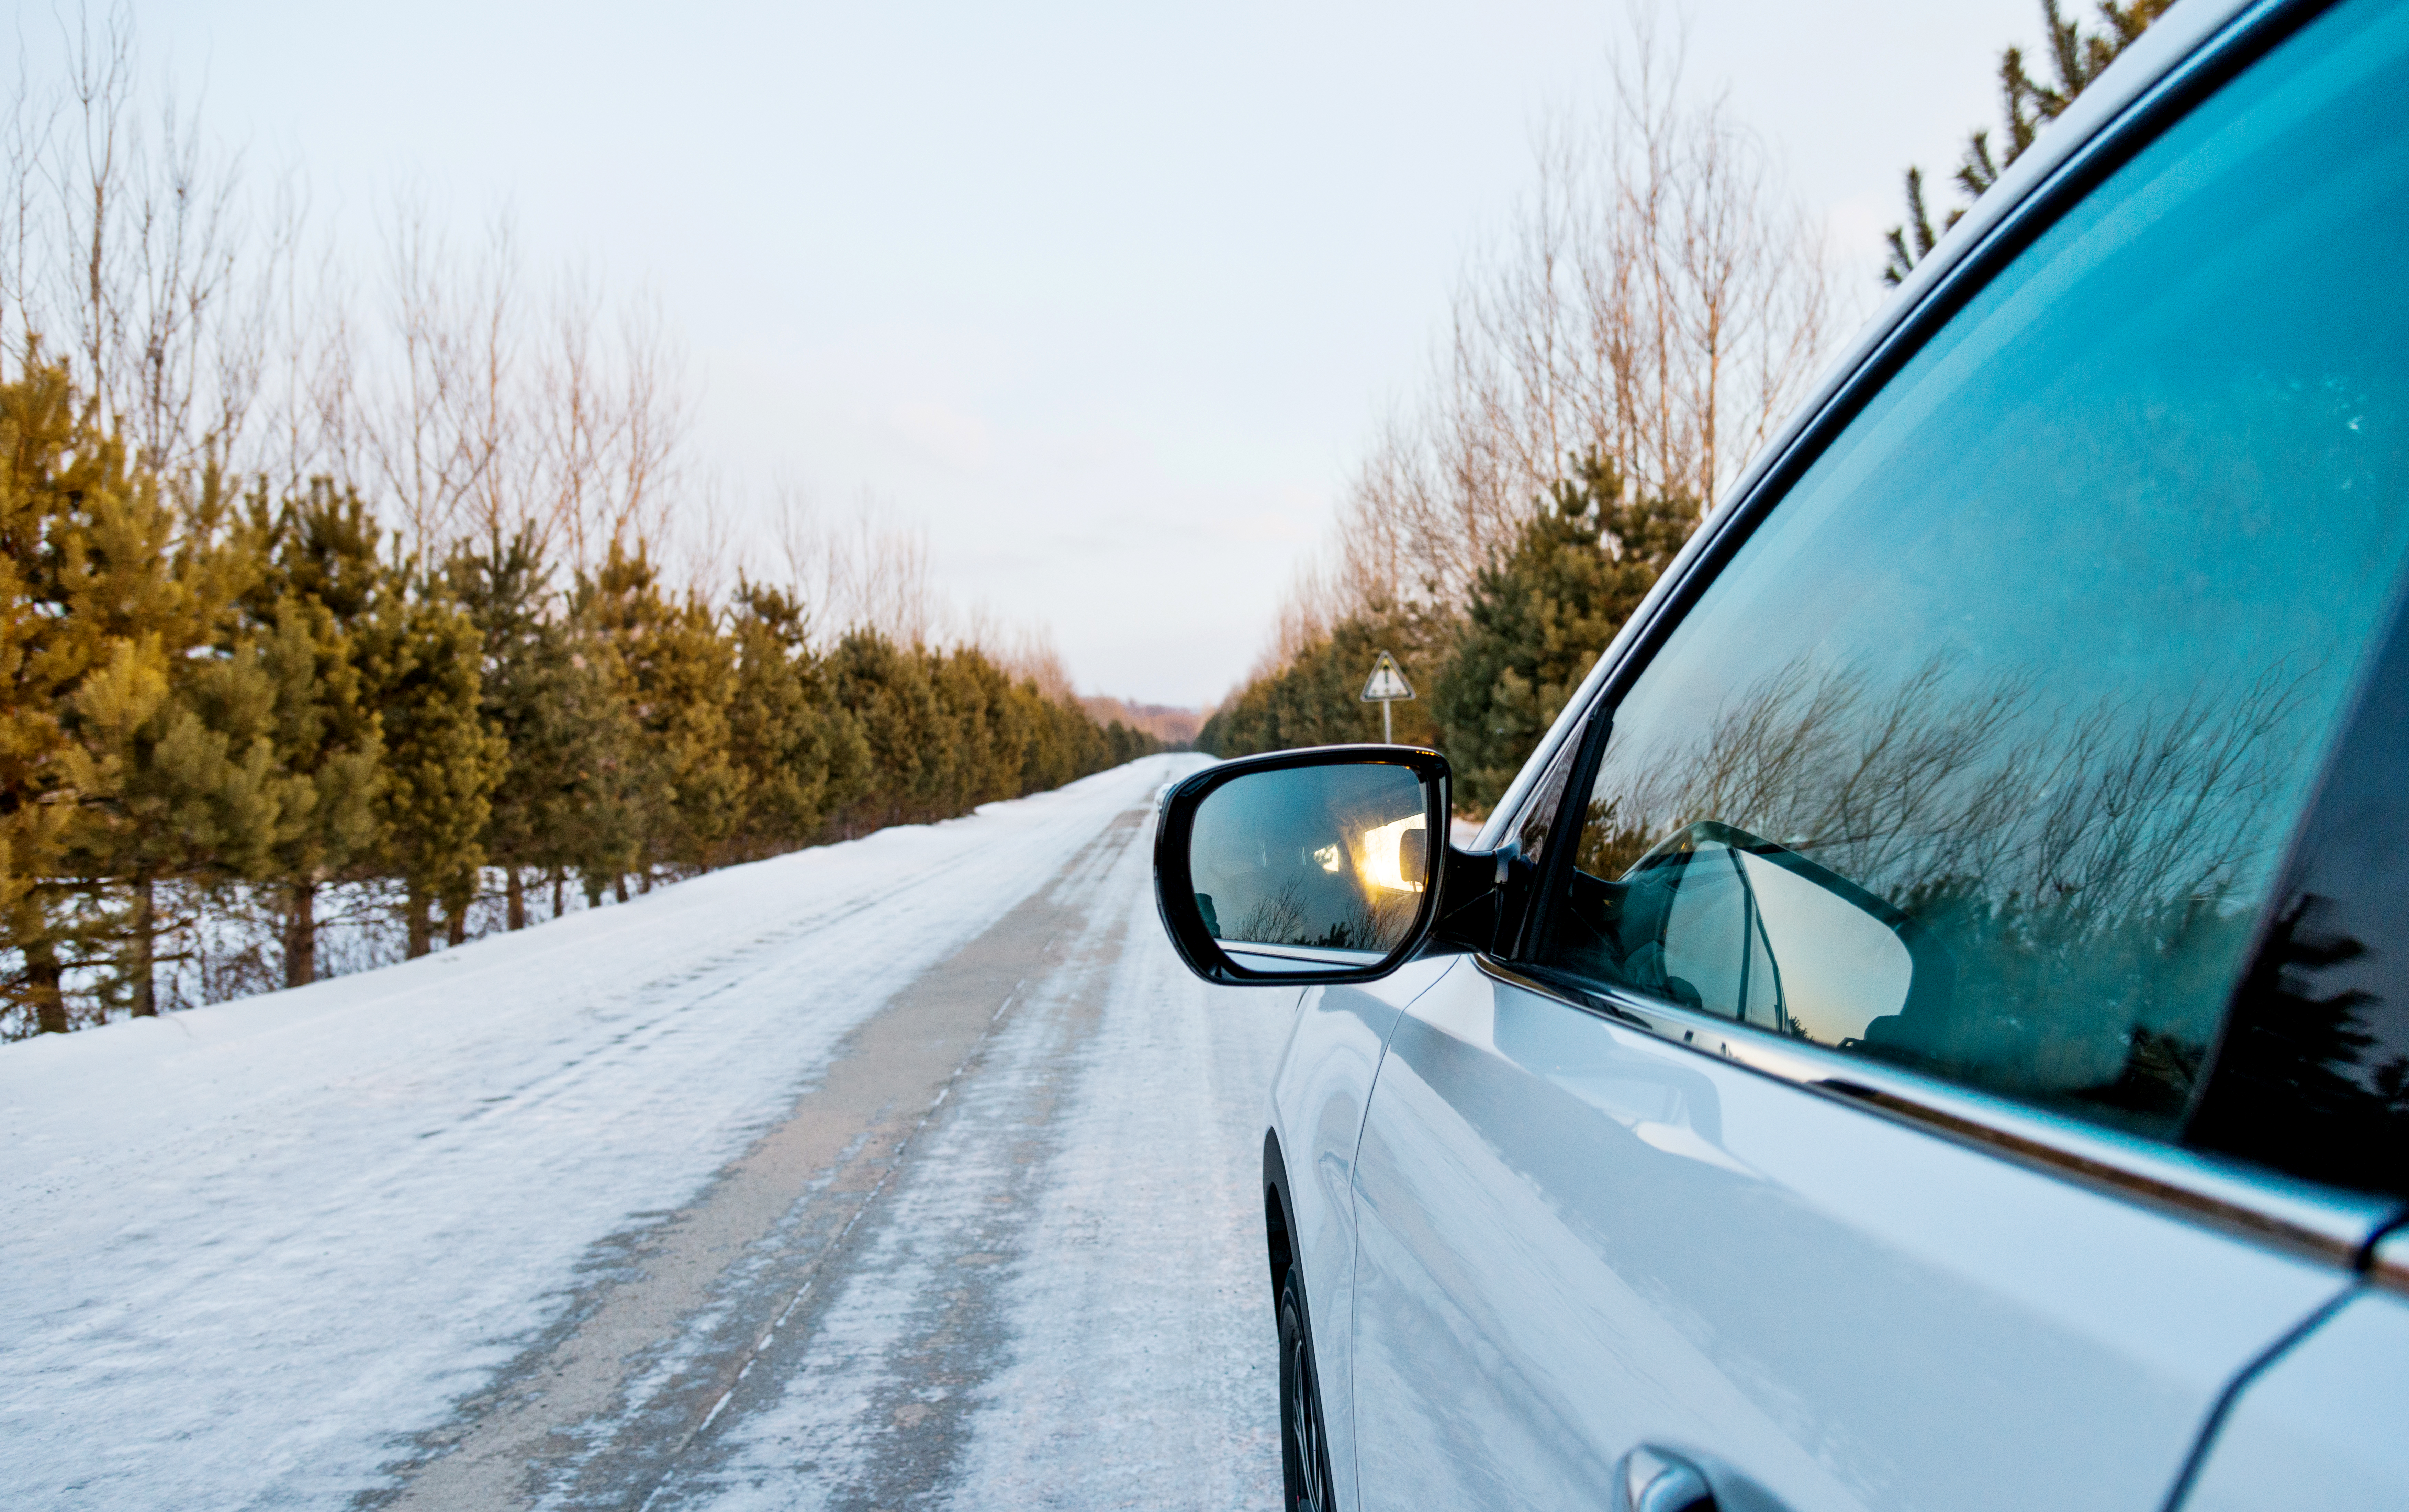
[[1929, 1027]]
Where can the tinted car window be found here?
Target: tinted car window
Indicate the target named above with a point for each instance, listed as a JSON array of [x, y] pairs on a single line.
[[1980, 755]]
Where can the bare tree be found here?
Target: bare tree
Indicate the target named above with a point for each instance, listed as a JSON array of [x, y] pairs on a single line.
[[497, 441], [87, 174], [308, 419], [867, 570], [24, 149], [190, 364], [878, 574], [1655, 301], [421, 416], [1028, 651], [613, 422], [703, 550], [128, 257]]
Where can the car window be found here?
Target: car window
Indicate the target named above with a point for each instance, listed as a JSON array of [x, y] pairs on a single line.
[[1978, 756]]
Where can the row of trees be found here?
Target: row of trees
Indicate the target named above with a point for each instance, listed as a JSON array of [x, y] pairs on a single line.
[[1656, 310], [344, 615], [263, 694]]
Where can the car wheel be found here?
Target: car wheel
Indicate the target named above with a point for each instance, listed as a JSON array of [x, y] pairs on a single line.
[[1304, 1451]]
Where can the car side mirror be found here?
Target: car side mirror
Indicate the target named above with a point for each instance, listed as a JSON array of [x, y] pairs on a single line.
[[1311, 866]]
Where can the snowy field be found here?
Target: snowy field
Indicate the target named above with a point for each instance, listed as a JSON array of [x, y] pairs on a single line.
[[278, 1252]]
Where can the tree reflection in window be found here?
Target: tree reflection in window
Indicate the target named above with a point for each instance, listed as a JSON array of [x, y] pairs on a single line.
[[2090, 869]]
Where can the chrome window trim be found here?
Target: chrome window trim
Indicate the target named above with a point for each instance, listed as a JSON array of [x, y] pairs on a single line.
[[2319, 1223], [2388, 1264]]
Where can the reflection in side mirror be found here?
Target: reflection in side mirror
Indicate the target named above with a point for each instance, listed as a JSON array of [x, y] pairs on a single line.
[[1309, 864], [1306, 865]]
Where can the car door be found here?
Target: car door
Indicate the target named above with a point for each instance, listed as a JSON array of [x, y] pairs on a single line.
[[1830, 1132]]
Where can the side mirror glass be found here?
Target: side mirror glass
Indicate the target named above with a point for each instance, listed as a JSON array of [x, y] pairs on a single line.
[[1304, 866]]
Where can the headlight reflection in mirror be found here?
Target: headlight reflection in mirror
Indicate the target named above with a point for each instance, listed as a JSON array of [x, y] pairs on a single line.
[[1393, 854], [1322, 862]]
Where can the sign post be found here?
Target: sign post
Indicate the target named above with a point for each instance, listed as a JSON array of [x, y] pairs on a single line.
[[1385, 684]]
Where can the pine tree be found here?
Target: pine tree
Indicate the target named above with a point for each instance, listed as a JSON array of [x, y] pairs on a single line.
[[441, 760], [799, 755], [318, 623], [601, 837], [676, 675], [1051, 757], [197, 794], [2076, 57], [84, 600], [1539, 616], [886, 688], [991, 730], [543, 699], [1316, 698]]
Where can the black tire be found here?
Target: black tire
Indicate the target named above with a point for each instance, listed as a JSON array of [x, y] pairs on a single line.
[[1305, 1448]]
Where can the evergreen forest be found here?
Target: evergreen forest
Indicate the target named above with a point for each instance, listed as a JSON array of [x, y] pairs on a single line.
[[251, 739]]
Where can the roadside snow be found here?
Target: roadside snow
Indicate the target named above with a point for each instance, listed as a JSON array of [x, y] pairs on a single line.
[[1145, 1369], [1062, 1303], [249, 1245]]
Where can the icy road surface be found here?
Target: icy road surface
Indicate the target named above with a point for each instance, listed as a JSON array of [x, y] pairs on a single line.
[[908, 1172]]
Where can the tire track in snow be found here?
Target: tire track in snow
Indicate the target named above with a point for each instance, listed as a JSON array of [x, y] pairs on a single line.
[[680, 1310], [1060, 1300]]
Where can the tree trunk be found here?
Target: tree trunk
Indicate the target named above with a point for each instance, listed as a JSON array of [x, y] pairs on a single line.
[[422, 932], [559, 881], [301, 934], [456, 925], [146, 930], [514, 899], [42, 976], [619, 884], [644, 881]]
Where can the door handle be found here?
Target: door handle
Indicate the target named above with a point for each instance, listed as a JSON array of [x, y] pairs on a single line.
[[1654, 1481]]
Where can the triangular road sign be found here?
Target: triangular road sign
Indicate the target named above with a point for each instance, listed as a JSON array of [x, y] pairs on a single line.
[[1386, 681]]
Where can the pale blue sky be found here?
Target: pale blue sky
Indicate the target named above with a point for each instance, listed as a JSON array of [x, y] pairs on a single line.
[[1106, 297]]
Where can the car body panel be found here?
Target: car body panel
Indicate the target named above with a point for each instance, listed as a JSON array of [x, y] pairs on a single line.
[[2320, 1426], [1575, 1239], [1318, 1095]]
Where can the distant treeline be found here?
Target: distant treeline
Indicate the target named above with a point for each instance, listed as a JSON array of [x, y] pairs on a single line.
[[1175, 726], [225, 696]]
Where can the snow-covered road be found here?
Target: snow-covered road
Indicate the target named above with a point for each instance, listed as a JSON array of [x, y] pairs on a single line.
[[911, 1170]]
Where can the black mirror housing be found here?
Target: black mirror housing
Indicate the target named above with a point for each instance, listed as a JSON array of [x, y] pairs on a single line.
[[1347, 900]]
